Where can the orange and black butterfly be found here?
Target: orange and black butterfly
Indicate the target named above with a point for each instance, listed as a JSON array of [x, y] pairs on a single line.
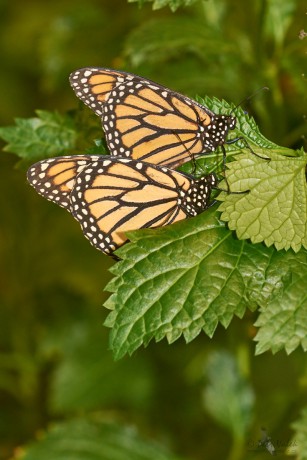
[[146, 121], [109, 196]]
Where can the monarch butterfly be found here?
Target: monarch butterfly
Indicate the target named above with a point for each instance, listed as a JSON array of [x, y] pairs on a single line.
[[146, 121], [109, 196]]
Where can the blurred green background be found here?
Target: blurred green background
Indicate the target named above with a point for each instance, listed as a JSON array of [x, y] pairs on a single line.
[[54, 359]]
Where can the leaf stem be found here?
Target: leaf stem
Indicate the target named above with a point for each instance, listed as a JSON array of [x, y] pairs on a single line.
[[237, 449]]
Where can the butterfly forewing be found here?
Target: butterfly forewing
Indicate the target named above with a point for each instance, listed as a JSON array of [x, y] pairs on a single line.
[[146, 121]]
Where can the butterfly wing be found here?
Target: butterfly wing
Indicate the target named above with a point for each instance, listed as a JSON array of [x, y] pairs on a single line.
[[144, 120], [55, 178], [114, 196], [109, 196]]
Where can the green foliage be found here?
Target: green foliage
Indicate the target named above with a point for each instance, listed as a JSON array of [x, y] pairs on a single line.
[[95, 439], [267, 200], [100, 379], [195, 274], [160, 40], [298, 444], [234, 410], [47, 135], [273, 208], [198, 263], [54, 361], [282, 323], [173, 4], [257, 46], [189, 277], [278, 19]]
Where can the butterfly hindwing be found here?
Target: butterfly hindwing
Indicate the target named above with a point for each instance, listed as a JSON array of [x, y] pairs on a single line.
[[55, 178], [146, 121]]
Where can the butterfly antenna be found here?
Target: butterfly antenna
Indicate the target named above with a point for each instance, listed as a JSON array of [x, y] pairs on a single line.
[[248, 98]]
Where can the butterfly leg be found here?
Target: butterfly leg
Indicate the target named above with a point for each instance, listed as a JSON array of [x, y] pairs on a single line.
[[246, 144]]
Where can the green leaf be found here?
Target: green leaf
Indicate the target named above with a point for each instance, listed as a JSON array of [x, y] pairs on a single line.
[[283, 322], [185, 278], [99, 378], [298, 444], [162, 40], [95, 439], [246, 126], [49, 134], [173, 4], [279, 15], [235, 409], [274, 207]]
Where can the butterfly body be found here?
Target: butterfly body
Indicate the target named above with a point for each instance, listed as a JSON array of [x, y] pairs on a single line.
[[109, 196], [146, 121]]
